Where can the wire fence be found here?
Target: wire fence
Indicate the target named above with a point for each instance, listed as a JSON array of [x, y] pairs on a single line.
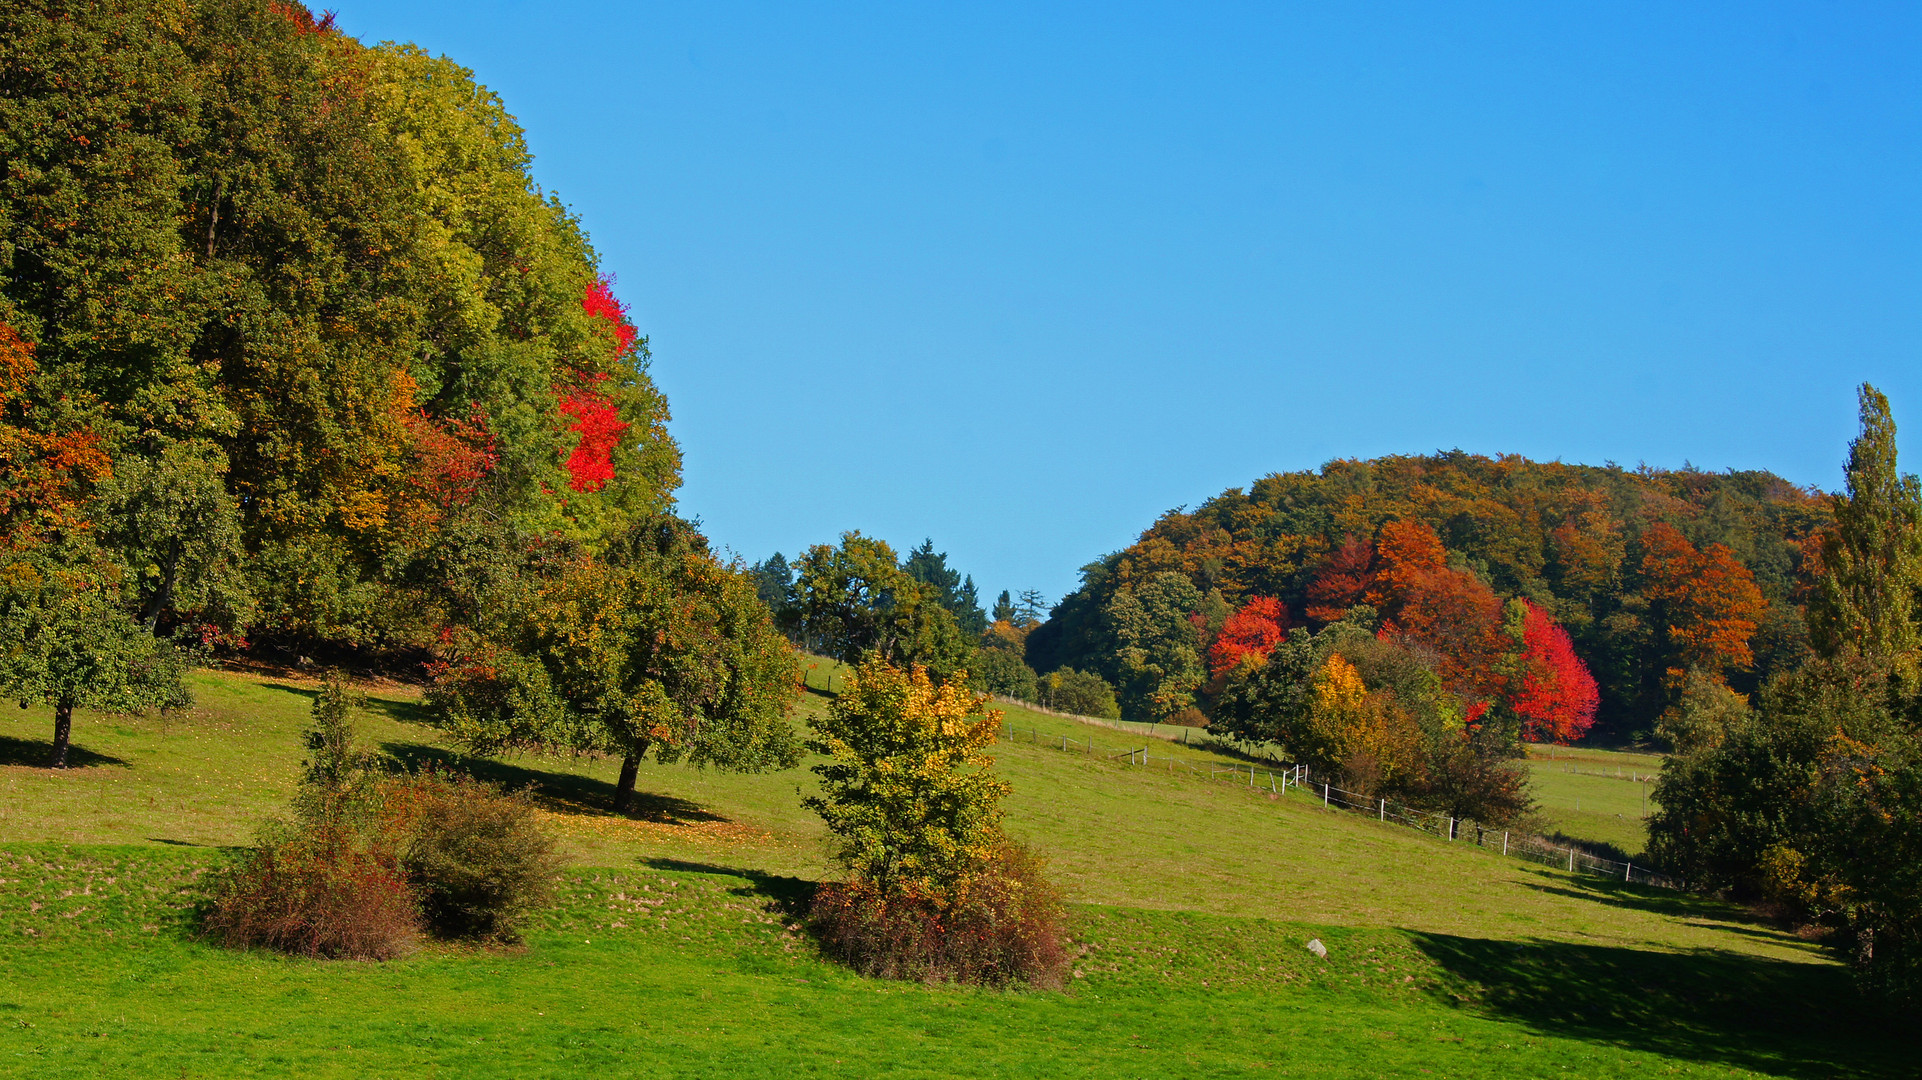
[[1283, 778]]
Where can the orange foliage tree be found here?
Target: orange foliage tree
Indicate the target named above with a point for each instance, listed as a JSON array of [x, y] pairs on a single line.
[[42, 476], [1707, 603], [1450, 611], [1260, 625]]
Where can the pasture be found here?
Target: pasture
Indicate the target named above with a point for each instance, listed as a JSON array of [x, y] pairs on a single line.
[[676, 947]]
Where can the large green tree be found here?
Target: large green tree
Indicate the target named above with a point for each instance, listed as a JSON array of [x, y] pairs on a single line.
[[656, 645], [855, 602]]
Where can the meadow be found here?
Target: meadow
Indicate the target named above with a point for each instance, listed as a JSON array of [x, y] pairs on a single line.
[[676, 949]]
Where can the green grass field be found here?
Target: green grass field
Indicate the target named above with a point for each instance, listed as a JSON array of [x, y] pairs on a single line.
[[674, 949]]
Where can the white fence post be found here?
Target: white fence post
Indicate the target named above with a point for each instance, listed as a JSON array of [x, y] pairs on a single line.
[[1571, 860], [1384, 809], [1324, 795], [1504, 842]]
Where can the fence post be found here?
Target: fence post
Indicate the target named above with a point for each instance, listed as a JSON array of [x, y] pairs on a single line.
[[1504, 842], [1324, 795], [1571, 860], [1451, 828], [1628, 872], [1384, 809]]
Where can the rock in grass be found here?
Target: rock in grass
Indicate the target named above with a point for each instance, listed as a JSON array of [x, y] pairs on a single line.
[[1315, 946]]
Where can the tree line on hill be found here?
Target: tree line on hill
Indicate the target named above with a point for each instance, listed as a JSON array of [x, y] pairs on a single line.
[[858, 599]]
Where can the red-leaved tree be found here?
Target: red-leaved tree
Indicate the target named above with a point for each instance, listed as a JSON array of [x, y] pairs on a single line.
[[599, 302], [1341, 581], [1555, 695], [600, 427], [1258, 627]]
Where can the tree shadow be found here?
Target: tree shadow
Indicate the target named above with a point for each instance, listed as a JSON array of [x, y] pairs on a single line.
[[1773, 1016], [790, 895], [1655, 901], [560, 792], [36, 752]]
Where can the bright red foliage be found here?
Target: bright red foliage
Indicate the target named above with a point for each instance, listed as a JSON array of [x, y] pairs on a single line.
[[600, 428], [599, 302], [1259, 626], [1557, 696]]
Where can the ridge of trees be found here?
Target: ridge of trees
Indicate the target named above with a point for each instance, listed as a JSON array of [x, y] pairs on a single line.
[[1650, 573]]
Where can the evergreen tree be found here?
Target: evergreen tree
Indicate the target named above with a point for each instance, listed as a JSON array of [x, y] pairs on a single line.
[[1872, 558], [774, 582], [1003, 608], [949, 589]]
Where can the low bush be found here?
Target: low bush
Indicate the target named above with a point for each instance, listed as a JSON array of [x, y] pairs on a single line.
[[475, 855], [315, 892], [370, 859], [1001, 925]]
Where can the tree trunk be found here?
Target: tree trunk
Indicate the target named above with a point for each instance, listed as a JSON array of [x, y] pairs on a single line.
[[62, 734], [630, 770]]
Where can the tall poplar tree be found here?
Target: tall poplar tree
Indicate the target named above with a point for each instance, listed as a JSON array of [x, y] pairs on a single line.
[[1872, 559]]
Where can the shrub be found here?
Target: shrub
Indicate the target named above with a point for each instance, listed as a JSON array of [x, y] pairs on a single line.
[[935, 890], [1002, 924], [370, 859], [315, 893], [476, 857]]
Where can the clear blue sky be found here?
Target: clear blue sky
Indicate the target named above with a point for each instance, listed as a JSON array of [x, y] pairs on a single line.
[[1020, 277]]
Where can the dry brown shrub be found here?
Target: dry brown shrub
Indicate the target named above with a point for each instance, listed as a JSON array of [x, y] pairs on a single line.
[[315, 893], [1002, 925]]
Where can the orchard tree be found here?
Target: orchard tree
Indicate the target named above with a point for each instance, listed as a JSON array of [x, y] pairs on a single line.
[[655, 646], [71, 646]]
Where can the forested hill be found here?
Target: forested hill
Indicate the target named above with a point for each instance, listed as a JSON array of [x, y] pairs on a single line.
[[291, 339], [1647, 570]]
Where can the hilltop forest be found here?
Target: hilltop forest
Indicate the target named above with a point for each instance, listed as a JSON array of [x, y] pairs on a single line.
[[1653, 575]]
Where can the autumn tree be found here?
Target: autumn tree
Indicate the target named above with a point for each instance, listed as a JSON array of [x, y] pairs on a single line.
[[1257, 627], [1704, 602], [1871, 559], [1341, 580], [907, 789], [1554, 695]]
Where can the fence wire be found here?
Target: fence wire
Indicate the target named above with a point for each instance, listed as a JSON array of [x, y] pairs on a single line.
[[1284, 777]]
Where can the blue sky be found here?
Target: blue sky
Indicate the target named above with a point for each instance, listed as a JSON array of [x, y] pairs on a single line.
[[1021, 277]]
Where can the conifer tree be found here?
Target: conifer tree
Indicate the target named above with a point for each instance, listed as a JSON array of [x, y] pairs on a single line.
[[1872, 559]]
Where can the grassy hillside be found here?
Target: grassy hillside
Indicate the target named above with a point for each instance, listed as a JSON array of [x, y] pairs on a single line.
[[673, 951]]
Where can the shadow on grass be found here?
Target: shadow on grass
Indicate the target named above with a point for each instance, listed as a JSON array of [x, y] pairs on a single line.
[[35, 752], [1773, 1016], [560, 792], [1650, 899], [791, 895]]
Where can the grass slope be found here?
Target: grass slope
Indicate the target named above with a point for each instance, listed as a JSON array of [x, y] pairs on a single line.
[[672, 952]]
